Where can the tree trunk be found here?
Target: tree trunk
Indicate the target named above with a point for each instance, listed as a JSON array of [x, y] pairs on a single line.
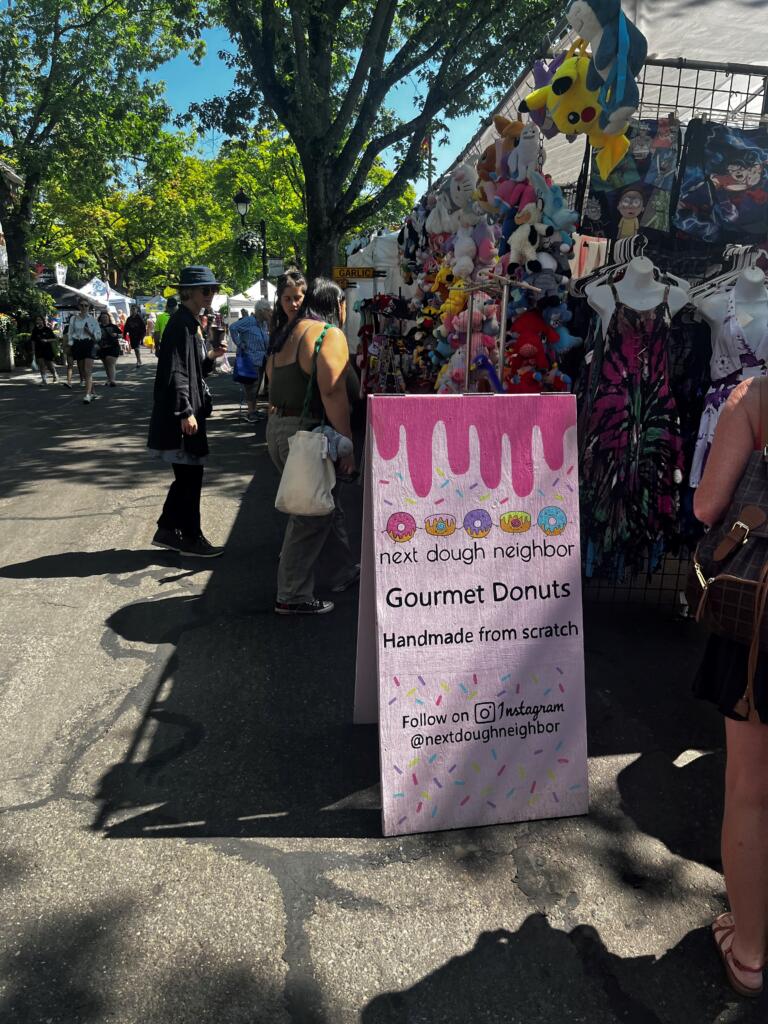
[[323, 234], [16, 217]]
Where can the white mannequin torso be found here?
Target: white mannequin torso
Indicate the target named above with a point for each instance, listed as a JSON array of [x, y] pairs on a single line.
[[638, 289], [751, 303]]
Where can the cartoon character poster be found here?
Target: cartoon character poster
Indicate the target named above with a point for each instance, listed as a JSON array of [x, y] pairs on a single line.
[[723, 184], [636, 195], [470, 638]]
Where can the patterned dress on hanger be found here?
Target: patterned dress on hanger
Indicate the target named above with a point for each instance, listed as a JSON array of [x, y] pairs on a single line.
[[632, 453], [733, 360]]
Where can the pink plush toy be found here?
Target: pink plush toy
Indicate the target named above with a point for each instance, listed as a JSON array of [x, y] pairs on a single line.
[[511, 194]]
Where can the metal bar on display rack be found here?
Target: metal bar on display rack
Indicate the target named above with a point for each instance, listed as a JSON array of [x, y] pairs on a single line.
[[501, 337], [468, 357]]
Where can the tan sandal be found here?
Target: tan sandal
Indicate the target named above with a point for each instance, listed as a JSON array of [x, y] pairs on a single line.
[[723, 929]]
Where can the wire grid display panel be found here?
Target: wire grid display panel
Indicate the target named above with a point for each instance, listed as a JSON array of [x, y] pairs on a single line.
[[728, 94], [664, 589]]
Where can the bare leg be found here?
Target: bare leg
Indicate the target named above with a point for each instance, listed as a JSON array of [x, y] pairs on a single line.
[[110, 362], [52, 369], [745, 840], [70, 365]]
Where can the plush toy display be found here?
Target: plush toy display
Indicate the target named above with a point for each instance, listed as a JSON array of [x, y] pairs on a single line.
[[524, 241], [504, 229], [464, 252], [558, 317], [555, 210], [619, 50], [524, 158], [543, 72], [575, 109]]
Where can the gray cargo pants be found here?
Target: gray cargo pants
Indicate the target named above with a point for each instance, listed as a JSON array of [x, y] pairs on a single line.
[[307, 537]]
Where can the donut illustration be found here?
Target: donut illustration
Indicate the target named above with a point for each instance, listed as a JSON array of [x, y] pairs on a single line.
[[552, 520], [401, 527], [515, 522], [477, 523], [440, 525]]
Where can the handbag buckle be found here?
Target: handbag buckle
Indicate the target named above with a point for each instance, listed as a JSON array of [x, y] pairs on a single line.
[[700, 576], [744, 527]]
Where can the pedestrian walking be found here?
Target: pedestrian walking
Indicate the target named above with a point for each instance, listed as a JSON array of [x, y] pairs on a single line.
[[43, 340], [740, 934], [299, 370], [83, 338], [109, 347], [182, 404], [162, 320], [135, 330], [250, 335]]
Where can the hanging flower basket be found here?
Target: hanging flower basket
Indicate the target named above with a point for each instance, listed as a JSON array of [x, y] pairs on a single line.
[[249, 243]]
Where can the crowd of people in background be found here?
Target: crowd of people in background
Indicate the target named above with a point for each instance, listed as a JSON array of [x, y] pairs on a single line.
[[294, 349]]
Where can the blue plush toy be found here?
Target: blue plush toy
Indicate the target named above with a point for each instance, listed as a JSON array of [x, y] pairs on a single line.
[[556, 211], [558, 317], [619, 50]]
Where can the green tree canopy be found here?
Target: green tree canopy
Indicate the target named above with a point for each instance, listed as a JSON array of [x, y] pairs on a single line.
[[325, 70], [74, 100], [173, 208]]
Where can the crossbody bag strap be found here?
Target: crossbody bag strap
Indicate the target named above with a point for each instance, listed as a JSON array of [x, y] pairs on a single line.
[[313, 375]]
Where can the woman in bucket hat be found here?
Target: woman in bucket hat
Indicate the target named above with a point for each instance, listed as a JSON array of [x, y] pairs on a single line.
[[182, 403]]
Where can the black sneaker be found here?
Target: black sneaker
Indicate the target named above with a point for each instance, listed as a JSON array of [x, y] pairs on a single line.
[[199, 548], [306, 608], [170, 539]]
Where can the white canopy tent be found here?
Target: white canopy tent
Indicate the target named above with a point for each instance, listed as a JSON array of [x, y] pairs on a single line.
[[246, 299], [102, 295]]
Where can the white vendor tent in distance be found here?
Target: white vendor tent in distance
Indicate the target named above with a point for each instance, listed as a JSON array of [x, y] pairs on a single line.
[[246, 300]]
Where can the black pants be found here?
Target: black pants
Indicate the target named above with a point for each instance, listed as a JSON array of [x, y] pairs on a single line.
[[181, 510]]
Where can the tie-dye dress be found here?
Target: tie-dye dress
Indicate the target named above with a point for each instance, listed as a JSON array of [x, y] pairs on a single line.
[[632, 452]]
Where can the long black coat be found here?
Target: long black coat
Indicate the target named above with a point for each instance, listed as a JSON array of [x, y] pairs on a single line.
[[179, 387]]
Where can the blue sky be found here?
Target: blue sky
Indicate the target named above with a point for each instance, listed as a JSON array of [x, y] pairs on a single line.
[[189, 83]]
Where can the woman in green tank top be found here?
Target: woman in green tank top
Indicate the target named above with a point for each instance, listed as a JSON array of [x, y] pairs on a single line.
[[289, 368]]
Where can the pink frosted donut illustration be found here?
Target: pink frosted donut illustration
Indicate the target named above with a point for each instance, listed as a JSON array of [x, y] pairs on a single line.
[[401, 527], [478, 523]]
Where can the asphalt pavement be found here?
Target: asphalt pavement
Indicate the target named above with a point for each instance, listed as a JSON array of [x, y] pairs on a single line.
[[189, 823]]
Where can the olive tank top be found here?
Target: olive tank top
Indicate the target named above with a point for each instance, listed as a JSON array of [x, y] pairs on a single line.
[[288, 387]]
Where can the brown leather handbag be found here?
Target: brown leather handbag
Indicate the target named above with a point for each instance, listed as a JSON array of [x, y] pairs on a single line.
[[727, 588]]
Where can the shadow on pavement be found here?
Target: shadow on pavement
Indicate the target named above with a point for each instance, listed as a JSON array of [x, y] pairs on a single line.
[[112, 562], [249, 731], [539, 975], [697, 788], [87, 968]]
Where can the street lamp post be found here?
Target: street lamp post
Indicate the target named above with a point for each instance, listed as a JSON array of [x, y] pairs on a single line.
[[242, 204], [264, 268]]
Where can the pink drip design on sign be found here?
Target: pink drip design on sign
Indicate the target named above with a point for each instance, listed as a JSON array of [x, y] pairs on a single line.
[[419, 416]]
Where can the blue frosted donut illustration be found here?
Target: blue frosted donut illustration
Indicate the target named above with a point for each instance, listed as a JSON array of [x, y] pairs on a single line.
[[552, 520], [477, 523]]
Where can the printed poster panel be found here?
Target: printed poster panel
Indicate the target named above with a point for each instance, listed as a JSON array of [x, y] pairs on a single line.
[[470, 623]]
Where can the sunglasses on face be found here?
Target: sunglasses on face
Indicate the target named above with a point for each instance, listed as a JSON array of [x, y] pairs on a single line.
[[209, 291]]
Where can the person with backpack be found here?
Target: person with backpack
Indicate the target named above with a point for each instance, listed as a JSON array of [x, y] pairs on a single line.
[[250, 335]]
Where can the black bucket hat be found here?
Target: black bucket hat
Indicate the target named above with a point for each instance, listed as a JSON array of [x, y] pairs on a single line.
[[196, 277]]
